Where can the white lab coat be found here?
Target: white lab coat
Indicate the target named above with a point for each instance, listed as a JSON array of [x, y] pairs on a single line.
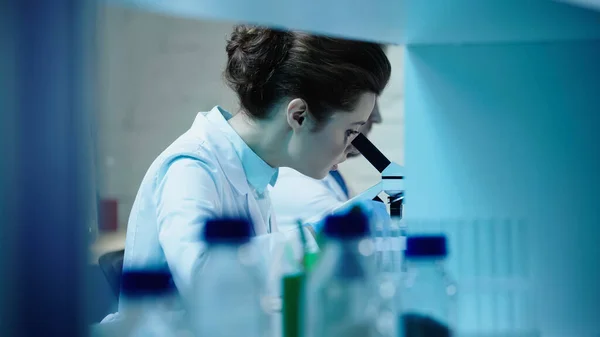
[[298, 197], [169, 211]]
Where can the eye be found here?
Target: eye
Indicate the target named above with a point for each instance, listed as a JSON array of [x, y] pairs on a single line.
[[350, 133]]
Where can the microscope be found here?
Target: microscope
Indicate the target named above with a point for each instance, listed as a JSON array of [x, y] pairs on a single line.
[[391, 183], [388, 234], [392, 177]]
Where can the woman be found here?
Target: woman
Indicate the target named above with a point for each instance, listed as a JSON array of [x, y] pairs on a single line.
[[302, 100]]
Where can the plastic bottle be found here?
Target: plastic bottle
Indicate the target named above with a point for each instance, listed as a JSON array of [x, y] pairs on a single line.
[[148, 310], [341, 291], [428, 293], [229, 289]]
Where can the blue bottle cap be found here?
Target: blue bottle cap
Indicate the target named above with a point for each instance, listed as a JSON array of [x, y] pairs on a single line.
[[143, 282], [227, 231], [426, 246], [354, 224]]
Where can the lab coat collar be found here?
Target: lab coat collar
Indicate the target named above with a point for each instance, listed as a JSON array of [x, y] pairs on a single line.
[[258, 174]]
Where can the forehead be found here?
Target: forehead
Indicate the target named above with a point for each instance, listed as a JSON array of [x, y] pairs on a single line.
[[361, 112]]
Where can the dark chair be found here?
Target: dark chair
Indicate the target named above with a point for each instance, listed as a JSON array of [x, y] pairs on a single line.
[[111, 265]]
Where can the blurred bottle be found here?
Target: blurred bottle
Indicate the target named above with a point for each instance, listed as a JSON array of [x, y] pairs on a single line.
[[229, 289], [382, 230], [341, 292], [388, 263], [379, 240], [428, 293], [397, 234], [149, 297], [397, 242]]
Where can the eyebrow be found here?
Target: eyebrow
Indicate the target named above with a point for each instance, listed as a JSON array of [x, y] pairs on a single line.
[[359, 123]]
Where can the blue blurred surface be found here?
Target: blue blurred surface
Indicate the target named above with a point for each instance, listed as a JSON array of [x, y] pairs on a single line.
[[400, 21], [509, 131], [46, 203]]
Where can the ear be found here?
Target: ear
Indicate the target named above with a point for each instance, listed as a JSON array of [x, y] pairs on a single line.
[[297, 113]]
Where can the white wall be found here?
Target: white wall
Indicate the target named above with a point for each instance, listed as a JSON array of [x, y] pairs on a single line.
[[157, 72]]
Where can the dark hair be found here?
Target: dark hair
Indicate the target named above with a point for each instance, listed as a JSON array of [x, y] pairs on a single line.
[[267, 65]]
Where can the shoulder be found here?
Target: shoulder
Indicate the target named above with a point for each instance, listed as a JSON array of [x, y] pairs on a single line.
[[200, 148], [186, 154], [189, 160], [190, 173]]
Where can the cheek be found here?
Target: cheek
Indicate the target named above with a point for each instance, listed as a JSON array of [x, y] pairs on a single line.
[[330, 146], [366, 128]]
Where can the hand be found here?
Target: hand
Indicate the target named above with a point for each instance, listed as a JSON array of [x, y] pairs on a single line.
[[376, 211], [378, 214]]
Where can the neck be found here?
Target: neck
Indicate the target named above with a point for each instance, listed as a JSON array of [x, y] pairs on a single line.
[[263, 137]]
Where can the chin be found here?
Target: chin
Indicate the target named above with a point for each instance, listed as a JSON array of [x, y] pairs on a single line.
[[316, 175], [322, 176]]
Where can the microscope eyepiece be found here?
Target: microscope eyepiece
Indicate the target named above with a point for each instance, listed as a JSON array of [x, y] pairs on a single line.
[[370, 152]]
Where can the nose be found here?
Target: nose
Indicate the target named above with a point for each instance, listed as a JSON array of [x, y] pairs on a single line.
[[375, 116], [351, 150]]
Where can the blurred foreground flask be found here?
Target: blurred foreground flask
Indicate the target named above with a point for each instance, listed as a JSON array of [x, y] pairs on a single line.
[[341, 295], [428, 293], [149, 297], [229, 289]]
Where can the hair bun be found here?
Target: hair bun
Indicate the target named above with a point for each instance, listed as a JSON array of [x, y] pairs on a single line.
[[254, 53], [238, 40]]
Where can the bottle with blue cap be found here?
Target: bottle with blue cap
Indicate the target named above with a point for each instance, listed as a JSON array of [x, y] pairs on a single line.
[[229, 289], [150, 300], [428, 293], [341, 295]]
